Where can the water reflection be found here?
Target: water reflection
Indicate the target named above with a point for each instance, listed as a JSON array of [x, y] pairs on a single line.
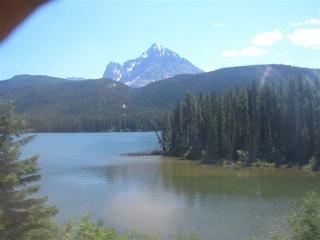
[[166, 195], [196, 181], [192, 179], [110, 173]]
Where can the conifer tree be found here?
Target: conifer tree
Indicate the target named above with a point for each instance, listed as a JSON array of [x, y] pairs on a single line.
[[190, 119], [165, 138], [253, 122], [21, 214], [177, 138], [316, 164]]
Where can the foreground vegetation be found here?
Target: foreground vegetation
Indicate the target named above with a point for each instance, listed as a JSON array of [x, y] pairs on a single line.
[[303, 224], [273, 124], [84, 229], [20, 215]]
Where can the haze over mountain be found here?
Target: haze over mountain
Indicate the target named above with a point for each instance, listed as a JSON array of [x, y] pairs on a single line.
[[155, 64], [76, 78]]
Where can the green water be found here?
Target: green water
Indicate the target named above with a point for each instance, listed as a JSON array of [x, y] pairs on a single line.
[[85, 172]]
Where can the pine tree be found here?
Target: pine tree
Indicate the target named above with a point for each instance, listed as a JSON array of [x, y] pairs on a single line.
[[316, 164], [177, 138], [253, 122], [165, 138], [190, 119], [20, 213]]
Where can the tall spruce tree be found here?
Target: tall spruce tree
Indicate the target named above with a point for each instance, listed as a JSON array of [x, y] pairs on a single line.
[[316, 164], [21, 214]]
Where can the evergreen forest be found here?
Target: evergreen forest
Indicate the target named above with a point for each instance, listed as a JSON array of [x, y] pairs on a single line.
[[270, 123]]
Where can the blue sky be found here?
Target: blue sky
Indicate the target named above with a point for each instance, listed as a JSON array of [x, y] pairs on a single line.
[[68, 38]]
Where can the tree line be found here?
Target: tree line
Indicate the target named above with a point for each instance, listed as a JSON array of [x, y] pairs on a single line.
[[93, 123], [276, 123]]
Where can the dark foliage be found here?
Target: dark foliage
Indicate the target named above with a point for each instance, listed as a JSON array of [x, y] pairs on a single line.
[[21, 213]]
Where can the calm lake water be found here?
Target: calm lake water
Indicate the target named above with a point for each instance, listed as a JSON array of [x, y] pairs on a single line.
[[84, 172]]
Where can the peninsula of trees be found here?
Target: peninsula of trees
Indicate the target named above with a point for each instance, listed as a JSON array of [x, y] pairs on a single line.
[[274, 123]]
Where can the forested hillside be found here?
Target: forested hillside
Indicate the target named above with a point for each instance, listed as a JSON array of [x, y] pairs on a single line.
[[167, 92], [276, 123], [29, 82], [55, 104]]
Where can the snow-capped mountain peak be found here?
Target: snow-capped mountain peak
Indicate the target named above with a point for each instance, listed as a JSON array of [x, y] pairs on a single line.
[[157, 46], [156, 49], [155, 64]]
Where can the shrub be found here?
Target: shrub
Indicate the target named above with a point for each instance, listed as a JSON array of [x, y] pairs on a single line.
[[305, 223]]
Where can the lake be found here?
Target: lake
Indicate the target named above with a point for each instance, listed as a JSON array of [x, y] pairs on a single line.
[[85, 172]]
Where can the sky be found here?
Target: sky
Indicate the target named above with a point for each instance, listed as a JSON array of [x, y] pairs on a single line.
[[69, 38]]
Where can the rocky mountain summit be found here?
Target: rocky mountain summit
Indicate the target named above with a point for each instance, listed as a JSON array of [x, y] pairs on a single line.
[[155, 64]]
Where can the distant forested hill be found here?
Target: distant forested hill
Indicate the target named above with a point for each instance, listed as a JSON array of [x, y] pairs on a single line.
[[55, 104], [25, 81]]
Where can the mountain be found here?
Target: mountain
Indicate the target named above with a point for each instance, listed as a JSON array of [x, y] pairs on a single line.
[[85, 97], [25, 81], [155, 64], [47, 96]]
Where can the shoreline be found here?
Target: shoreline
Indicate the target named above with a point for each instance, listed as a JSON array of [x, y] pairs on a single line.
[[235, 166], [144, 153]]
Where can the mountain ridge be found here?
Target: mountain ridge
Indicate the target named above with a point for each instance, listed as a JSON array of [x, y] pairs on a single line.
[[155, 64], [56, 96]]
